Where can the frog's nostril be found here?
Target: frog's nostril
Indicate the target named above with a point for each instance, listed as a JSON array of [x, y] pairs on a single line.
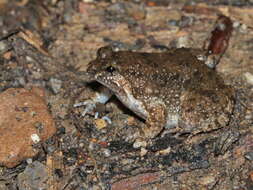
[[110, 69], [105, 52]]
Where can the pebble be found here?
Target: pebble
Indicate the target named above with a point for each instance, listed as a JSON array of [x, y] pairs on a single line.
[[243, 28], [251, 176], [1, 21], [249, 156], [139, 143], [173, 22], [183, 41], [35, 138], [172, 17], [29, 161], [88, 1], [165, 151], [206, 180], [35, 176], [186, 21], [143, 152], [100, 123], [107, 152], [236, 24], [136, 182], [124, 10], [55, 85], [3, 185], [249, 77], [4, 47], [21, 111]]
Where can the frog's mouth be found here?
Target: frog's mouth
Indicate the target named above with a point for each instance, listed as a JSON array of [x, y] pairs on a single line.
[[84, 76], [123, 90]]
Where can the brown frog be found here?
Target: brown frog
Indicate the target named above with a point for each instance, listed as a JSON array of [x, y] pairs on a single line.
[[172, 90]]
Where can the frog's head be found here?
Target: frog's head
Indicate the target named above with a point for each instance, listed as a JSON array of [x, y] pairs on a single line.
[[105, 69], [110, 70]]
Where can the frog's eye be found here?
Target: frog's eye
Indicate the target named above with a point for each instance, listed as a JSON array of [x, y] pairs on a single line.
[[110, 69]]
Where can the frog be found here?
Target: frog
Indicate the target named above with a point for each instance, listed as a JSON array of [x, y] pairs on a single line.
[[173, 90]]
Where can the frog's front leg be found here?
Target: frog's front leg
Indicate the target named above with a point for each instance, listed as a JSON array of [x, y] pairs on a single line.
[[155, 121], [102, 96]]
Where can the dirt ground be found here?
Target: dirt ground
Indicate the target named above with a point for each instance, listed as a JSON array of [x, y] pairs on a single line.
[[47, 43]]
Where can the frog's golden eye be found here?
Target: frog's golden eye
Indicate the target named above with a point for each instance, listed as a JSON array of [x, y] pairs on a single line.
[[110, 69]]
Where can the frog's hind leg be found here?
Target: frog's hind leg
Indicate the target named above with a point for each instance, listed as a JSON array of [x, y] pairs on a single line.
[[202, 111], [156, 120]]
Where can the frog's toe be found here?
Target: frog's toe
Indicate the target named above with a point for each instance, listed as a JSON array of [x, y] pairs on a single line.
[[140, 142], [107, 119], [89, 106], [225, 140]]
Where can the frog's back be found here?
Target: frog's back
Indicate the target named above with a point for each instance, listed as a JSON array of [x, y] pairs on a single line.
[[187, 86], [193, 96], [205, 102]]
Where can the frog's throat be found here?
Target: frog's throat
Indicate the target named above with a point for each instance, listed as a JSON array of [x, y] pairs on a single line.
[[123, 91], [133, 104]]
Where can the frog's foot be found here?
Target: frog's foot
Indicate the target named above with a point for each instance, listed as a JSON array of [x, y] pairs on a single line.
[[156, 121], [90, 106], [102, 96], [154, 125], [225, 140]]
